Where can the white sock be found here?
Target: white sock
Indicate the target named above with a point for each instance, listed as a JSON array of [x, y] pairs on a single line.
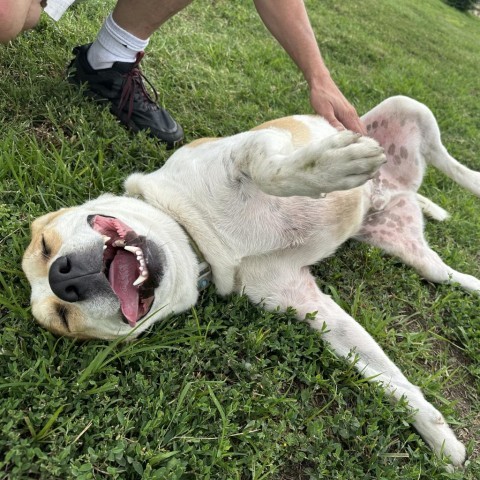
[[114, 44]]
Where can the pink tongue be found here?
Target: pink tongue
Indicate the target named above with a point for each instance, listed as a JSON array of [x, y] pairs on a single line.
[[123, 272]]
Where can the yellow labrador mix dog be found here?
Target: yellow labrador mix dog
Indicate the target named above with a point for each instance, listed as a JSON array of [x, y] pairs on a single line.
[[254, 211]]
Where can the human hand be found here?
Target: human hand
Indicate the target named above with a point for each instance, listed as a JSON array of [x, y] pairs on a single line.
[[328, 101]]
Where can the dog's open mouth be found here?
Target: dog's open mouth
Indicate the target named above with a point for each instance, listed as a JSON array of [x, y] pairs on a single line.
[[125, 264]]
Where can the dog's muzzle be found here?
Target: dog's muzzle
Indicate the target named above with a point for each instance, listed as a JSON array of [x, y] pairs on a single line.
[[75, 277]]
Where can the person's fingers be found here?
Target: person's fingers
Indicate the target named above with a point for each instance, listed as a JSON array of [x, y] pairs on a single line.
[[326, 109], [338, 112], [354, 124], [335, 123], [342, 122], [348, 116]]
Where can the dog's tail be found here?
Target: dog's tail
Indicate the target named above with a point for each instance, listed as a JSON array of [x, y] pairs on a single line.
[[464, 176], [437, 155]]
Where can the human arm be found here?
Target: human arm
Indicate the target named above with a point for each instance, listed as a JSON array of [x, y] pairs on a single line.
[[288, 22], [18, 15]]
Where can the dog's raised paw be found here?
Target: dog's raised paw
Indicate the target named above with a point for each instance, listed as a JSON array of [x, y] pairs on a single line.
[[353, 159]]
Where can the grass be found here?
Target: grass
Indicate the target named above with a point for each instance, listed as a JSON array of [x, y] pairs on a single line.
[[228, 391]]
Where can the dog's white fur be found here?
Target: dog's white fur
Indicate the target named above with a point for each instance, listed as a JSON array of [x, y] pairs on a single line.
[[254, 204]]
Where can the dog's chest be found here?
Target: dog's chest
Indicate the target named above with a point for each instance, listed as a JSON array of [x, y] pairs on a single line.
[[263, 223], [259, 223]]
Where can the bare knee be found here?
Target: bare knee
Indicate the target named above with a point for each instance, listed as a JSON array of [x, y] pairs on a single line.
[[16, 16]]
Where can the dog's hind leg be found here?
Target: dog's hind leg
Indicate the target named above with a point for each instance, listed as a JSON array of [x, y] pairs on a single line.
[[407, 128], [398, 229], [275, 287]]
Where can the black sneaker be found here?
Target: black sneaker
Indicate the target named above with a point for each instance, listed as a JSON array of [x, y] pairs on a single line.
[[122, 86]]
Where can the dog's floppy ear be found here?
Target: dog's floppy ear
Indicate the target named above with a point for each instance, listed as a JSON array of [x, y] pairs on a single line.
[[44, 220]]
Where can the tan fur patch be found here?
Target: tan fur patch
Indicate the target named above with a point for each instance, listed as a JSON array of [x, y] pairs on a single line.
[[300, 132], [35, 263], [44, 220], [344, 212], [201, 141], [48, 314]]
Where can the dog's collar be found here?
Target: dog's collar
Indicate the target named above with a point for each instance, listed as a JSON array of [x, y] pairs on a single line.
[[204, 269]]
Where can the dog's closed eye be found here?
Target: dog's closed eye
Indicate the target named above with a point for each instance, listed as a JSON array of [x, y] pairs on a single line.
[[62, 312], [46, 250]]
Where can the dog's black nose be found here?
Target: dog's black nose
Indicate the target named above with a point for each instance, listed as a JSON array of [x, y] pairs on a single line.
[[72, 278]]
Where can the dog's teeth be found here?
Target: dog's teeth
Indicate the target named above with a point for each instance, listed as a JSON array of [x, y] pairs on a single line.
[[137, 251], [119, 243], [106, 239], [140, 279], [104, 247]]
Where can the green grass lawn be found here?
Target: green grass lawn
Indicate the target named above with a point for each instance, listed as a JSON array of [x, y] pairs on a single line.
[[227, 391]]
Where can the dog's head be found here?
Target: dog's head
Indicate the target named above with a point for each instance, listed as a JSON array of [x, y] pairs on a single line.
[[109, 266]]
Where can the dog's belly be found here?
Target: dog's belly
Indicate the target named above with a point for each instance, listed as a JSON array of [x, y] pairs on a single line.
[[267, 223]]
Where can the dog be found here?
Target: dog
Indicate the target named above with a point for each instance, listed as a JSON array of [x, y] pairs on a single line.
[[251, 213]]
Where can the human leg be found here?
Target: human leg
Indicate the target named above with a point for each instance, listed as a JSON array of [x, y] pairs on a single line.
[[143, 17], [109, 66], [16, 16]]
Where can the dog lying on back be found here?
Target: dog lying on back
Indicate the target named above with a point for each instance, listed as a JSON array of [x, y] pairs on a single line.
[[253, 211]]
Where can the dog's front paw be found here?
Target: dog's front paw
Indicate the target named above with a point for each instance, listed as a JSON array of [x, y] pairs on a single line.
[[350, 159], [340, 161]]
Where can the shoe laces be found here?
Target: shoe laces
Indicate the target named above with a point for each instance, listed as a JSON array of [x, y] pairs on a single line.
[[134, 82]]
